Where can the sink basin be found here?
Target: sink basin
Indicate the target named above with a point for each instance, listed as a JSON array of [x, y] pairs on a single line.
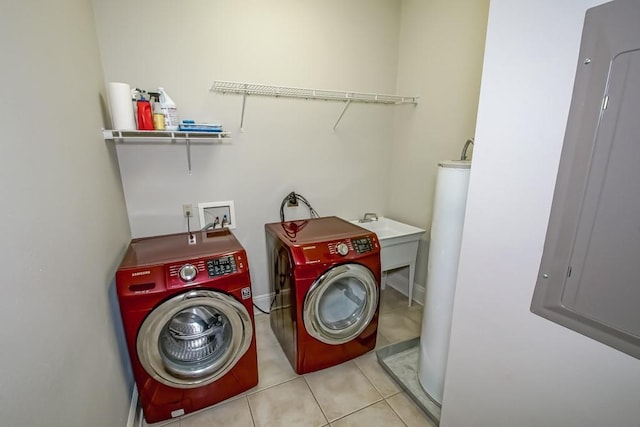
[[391, 232], [398, 246]]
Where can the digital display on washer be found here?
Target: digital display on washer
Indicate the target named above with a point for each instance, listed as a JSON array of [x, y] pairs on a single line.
[[221, 266], [362, 245]]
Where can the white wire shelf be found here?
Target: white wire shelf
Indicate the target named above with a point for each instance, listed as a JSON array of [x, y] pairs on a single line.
[[296, 92], [246, 89], [166, 136], [146, 137]]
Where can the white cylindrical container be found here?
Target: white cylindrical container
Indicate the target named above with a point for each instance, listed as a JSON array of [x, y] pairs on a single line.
[[121, 106], [442, 270]]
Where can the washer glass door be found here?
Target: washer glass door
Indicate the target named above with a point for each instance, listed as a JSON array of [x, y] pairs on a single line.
[[194, 338], [341, 303]]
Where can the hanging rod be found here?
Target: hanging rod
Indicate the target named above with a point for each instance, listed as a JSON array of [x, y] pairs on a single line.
[[295, 92]]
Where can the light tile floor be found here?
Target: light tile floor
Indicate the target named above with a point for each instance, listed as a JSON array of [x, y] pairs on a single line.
[[355, 393]]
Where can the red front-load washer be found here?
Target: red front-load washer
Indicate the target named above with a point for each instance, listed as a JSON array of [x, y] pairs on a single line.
[[188, 320], [325, 277]]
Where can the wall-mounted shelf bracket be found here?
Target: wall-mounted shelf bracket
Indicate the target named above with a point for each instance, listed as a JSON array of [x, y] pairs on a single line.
[[344, 110], [145, 137], [244, 102], [187, 143], [321, 94]]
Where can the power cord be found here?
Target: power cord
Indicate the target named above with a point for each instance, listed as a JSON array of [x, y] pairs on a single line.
[[270, 307], [191, 239], [259, 309], [292, 199]]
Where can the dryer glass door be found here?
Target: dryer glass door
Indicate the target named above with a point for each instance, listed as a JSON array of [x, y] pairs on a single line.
[[341, 303], [194, 338]]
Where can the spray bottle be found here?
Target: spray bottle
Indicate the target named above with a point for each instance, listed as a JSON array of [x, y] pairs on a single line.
[[143, 111], [170, 111]]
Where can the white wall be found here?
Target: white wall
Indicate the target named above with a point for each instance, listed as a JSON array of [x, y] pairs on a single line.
[[287, 144], [507, 366], [381, 159], [63, 224], [440, 58]]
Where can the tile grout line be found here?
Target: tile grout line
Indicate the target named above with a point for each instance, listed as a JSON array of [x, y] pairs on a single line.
[[253, 419], [384, 399], [396, 412], [371, 404], [368, 379], [359, 409], [272, 385], [316, 399], [402, 312]]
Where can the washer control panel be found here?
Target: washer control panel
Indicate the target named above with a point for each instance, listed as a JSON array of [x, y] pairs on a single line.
[[186, 271], [221, 266], [196, 271], [362, 245]]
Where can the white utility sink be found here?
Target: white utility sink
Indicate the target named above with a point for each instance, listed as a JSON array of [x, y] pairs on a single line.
[[398, 244]]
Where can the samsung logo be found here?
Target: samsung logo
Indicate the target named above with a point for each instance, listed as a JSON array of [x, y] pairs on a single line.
[[141, 273]]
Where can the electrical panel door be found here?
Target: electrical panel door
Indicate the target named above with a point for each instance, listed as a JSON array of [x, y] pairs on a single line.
[[589, 277]]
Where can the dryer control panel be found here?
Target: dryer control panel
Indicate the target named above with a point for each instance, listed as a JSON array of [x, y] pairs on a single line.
[[341, 248], [362, 245], [349, 248]]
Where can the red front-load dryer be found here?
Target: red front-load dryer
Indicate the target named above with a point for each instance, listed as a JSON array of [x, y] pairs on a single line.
[[325, 277], [188, 320]]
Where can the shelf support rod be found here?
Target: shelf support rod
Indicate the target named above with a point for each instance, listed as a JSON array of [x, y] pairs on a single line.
[[244, 101], [188, 145], [344, 110]]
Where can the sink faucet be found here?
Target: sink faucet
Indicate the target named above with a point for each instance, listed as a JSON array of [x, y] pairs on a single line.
[[463, 156], [369, 216]]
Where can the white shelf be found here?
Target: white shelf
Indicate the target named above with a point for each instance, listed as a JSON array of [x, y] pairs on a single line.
[[166, 136], [148, 137], [322, 94], [245, 89]]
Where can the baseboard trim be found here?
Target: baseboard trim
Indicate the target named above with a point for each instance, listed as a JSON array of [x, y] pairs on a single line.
[[263, 301], [133, 407], [419, 291]]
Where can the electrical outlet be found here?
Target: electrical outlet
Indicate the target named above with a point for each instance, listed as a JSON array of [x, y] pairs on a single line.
[[292, 199], [214, 215], [187, 210]]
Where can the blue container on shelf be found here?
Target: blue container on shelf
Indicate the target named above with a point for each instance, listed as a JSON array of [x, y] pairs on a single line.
[[192, 126]]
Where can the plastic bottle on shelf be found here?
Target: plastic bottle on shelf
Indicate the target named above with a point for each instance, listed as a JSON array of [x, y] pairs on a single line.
[[145, 121], [158, 115], [169, 109], [143, 110]]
